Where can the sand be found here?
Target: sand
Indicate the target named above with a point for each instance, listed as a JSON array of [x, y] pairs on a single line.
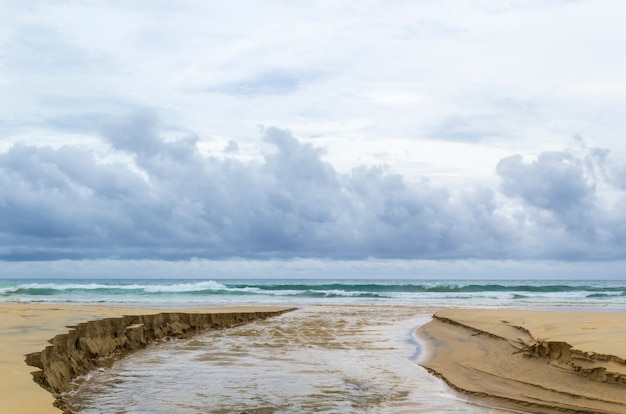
[[26, 328], [533, 361]]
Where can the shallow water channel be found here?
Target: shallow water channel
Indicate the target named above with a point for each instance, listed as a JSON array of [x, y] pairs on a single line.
[[323, 359]]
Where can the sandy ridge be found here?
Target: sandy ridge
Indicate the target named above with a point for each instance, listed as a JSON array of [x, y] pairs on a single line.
[[26, 329], [92, 344], [540, 362]]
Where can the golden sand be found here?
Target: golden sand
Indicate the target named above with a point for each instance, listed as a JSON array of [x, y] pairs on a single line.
[[536, 361], [26, 328]]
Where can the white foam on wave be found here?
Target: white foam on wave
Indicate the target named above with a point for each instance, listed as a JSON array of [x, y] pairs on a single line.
[[74, 286], [186, 287], [259, 291], [343, 293]]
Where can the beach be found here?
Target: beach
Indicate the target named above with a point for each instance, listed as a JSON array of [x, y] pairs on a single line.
[[27, 328], [535, 361], [349, 346]]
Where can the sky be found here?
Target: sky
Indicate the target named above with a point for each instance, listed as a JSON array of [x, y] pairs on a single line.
[[379, 138]]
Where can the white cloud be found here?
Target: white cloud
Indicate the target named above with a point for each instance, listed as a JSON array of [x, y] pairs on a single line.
[[439, 91]]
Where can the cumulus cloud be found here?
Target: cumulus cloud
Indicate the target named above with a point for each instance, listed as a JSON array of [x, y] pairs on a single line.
[[555, 181], [173, 202], [561, 202]]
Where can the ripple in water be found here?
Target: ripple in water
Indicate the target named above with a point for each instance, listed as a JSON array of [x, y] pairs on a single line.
[[325, 359]]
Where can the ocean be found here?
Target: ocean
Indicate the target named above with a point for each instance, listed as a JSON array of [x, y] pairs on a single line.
[[202, 293], [348, 348]]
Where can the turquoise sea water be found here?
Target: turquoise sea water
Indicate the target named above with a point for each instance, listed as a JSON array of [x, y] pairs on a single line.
[[180, 292], [348, 348]]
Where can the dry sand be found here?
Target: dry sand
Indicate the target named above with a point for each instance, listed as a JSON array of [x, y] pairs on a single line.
[[534, 361], [539, 361], [26, 328]]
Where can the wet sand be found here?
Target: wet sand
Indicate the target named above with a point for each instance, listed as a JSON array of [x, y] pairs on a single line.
[[534, 361], [26, 328]]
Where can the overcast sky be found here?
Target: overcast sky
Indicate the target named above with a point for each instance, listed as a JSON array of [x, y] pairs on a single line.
[[342, 133]]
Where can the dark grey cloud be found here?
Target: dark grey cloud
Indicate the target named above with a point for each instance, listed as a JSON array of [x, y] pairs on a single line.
[[173, 203]]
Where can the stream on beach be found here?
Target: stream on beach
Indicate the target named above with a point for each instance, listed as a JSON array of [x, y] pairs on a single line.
[[323, 359]]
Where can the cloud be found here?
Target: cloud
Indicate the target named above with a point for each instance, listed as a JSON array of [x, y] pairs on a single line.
[[33, 48], [441, 97], [570, 202], [136, 134], [274, 82], [172, 202], [556, 181], [460, 129], [232, 147]]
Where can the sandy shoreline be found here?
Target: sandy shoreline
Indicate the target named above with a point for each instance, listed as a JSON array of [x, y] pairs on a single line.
[[26, 328], [535, 361]]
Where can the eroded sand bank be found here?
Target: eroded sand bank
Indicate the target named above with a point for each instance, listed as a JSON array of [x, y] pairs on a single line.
[[536, 361], [27, 328]]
